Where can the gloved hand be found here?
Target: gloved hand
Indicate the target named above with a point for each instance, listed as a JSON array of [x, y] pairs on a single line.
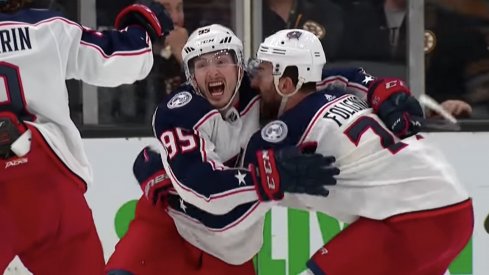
[[150, 15], [148, 170], [393, 103], [292, 170]]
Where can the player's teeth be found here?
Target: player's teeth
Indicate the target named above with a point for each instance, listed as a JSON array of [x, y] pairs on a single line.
[[214, 84]]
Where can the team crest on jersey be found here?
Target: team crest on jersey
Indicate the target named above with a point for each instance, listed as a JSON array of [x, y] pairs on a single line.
[[274, 131], [179, 100]]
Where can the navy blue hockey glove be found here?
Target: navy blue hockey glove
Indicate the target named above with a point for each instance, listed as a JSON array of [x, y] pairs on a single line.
[[148, 170], [150, 15], [393, 103], [292, 170]]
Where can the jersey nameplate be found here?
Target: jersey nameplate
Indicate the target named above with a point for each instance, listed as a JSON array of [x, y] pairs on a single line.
[[344, 108]]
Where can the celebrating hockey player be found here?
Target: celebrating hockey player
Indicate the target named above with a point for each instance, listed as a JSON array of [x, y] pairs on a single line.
[[44, 218], [191, 123], [389, 189]]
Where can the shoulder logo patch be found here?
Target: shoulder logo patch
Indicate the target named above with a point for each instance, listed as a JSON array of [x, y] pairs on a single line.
[[274, 131], [179, 100]]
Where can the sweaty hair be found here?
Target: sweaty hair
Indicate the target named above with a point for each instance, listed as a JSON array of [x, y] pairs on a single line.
[[14, 5], [293, 73]]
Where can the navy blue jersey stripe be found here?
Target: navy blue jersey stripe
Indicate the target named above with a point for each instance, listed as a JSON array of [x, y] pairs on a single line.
[[111, 42], [297, 121], [353, 78], [194, 173], [107, 42], [30, 16], [212, 222]]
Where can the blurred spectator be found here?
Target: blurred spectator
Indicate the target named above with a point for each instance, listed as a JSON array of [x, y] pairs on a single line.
[[457, 108], [321, 17], [68, 8], [136, 103], [107, 10], [457, 56], [207, 12], [452, 46], [177, 38], [167, 72], [375, 30]]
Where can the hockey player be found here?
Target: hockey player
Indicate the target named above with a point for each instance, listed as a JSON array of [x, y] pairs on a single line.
[[408, 212], [44, 217], [199, 140], [200, 227]]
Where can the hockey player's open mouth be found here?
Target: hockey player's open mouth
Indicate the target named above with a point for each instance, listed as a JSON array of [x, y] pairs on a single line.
[[216, 88]]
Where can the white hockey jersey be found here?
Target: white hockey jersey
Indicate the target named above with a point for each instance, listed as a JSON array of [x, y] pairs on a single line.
[[211, 199], [40, 49], [380, 176], [215, 206]]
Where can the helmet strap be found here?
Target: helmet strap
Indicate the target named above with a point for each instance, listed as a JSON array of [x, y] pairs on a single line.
[[285, 97], [236, 89]]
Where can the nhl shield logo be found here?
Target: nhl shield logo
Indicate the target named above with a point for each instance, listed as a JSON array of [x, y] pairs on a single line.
[[274, 131], [294, 35], [179, 100]]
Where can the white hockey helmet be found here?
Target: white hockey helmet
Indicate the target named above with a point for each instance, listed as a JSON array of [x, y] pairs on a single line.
[[294, 47], [213, 38]]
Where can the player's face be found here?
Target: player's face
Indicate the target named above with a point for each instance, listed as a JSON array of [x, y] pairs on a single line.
[[263, 80], [175, 9], [216, 75]]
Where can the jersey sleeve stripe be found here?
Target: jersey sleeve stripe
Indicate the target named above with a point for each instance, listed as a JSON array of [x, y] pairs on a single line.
[[105, 55], [112, 43], [211, 197], [341, 79], [213, 223], [250, 105], [205, 118], [317, 116]]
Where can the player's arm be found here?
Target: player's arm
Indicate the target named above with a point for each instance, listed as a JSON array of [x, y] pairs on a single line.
[[157, 188], [239, 219], [114, 57], [198, 173], [390, 98], [151, 175]]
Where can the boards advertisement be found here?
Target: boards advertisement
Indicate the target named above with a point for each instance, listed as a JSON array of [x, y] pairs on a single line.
[[290, 236]]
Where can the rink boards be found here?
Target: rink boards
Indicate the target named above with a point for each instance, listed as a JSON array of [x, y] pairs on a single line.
[[296, 234]]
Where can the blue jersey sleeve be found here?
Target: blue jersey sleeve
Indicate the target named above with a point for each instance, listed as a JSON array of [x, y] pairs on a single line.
[[185, 124]]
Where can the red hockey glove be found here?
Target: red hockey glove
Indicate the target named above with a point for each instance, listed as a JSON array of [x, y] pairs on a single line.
[[292, 170], [393, 103], [148, 14], [148, 170]]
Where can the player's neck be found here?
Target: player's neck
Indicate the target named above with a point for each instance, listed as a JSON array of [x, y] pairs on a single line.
[[296, 99]]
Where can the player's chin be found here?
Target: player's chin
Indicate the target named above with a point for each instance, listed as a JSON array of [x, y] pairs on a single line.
[[217, 102]]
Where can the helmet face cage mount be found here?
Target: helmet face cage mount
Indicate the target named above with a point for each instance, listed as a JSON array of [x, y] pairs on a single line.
[[208, 39]]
